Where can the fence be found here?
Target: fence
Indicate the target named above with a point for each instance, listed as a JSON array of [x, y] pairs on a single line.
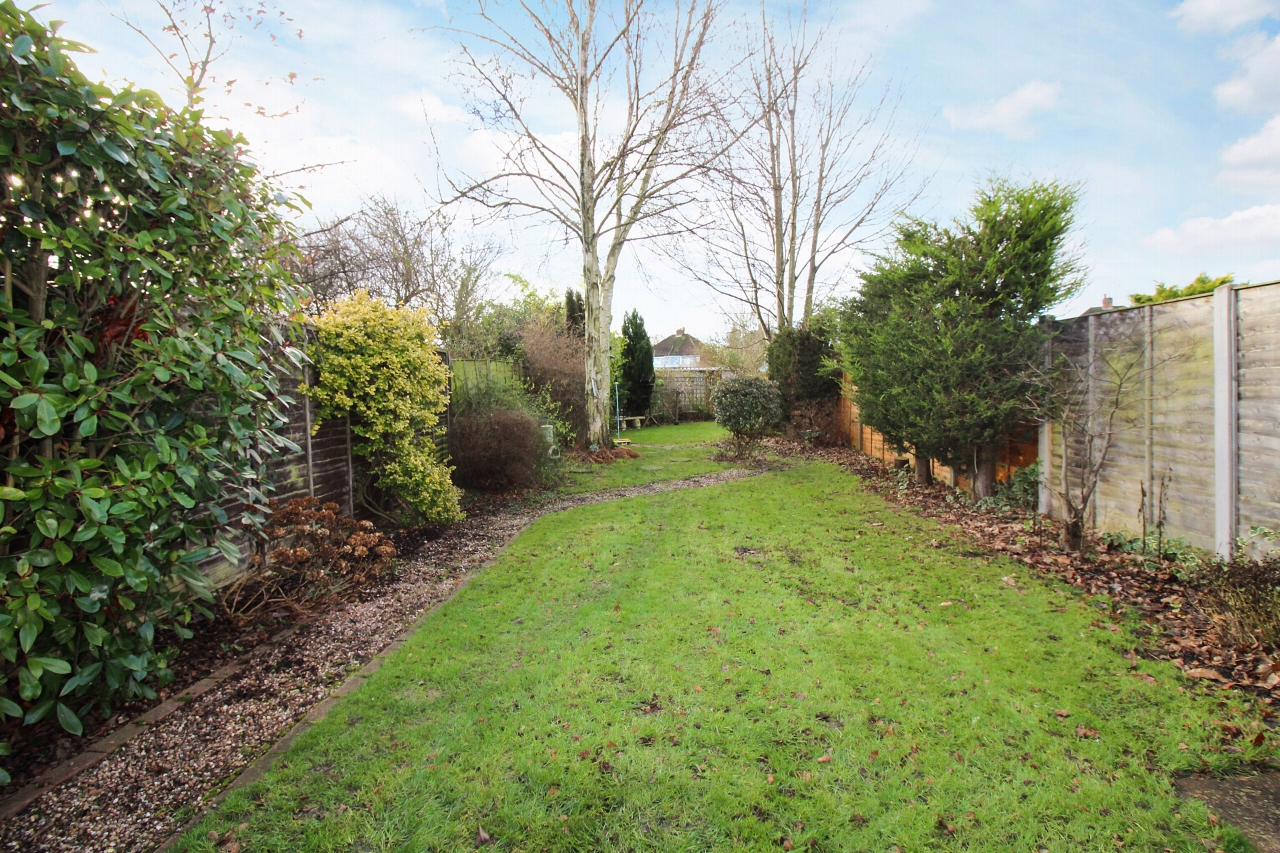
[[694, 385], [1198, 431], [321, 467], [1015, 453]]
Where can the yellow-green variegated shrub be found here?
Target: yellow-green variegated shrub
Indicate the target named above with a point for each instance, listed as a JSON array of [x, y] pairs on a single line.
[[380, 366]]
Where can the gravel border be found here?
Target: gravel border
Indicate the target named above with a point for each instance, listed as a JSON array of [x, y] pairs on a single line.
[[136, 792]]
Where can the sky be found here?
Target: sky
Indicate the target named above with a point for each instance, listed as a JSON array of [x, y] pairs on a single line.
[[1166, 114]]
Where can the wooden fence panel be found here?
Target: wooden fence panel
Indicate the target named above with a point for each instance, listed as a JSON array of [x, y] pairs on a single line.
[[1258, 379]]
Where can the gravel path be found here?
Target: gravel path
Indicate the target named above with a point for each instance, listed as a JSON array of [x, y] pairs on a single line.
[[146, 790]]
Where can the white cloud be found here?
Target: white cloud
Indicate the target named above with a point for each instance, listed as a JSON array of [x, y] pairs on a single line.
[[1254, 161], [1010, 114], [1200, 16], [1253, 231], [1256, 84]]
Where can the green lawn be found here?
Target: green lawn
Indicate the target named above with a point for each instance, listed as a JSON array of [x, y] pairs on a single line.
[[666, 453], [782, 657]]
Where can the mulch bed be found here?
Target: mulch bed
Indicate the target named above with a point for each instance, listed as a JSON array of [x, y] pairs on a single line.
[[1175, 627], [139, 795]]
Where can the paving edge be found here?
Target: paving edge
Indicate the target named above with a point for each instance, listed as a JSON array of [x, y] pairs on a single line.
[[259, 767], [13, 805]]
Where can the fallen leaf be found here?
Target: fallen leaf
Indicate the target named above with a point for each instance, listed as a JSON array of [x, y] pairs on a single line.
[[617, 607], [1086, 731], [826, 759], [1205, 672], [1260, 739], [1062, 715], [786, 843], [945, 604], [482, 837], [769, 779]]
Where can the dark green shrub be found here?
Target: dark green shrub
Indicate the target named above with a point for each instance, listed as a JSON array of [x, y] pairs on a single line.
[[749, 407], [635, 373], [141, 347], [798, 364]]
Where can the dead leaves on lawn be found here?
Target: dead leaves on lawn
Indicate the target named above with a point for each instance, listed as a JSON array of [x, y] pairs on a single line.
[[1175, 628]]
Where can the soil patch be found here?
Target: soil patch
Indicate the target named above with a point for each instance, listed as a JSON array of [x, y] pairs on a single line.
[[1249, 803]]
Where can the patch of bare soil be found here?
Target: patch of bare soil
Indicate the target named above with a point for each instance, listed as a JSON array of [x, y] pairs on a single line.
[[1249, 803], [139, 795]]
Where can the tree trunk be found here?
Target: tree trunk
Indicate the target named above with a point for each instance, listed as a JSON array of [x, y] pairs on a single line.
[[1073, 533], [596, 355], [924, 471], [984, 473]]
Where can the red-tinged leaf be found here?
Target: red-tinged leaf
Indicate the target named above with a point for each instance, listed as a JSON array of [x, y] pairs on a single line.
[[1260, 739]]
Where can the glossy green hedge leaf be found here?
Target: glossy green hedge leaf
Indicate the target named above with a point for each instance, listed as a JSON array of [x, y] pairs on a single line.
[[69, 721], [38, 712], [61, 667], [9, 493], [22, 46], [107, 566], [10, 708], [47, 417]]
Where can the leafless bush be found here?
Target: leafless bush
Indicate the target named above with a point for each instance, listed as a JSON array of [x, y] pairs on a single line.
[[554, 364], [497, 449], [1243, 596], [313, 554], [813, 422]]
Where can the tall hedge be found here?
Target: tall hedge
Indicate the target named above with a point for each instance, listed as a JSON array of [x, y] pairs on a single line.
[[798, 365], [141, 347]]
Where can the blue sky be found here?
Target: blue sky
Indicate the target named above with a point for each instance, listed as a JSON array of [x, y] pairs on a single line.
[[1167, 114]]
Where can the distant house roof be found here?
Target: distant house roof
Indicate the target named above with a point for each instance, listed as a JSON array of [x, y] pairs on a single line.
[[677, 344]]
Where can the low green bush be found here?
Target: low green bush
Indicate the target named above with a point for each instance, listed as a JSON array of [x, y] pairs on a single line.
[[142, 342], [749, 407]]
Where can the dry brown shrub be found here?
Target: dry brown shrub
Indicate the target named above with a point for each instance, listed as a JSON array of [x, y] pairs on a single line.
[[1243, 597], [496, 449], [813, 423], [313, 555], [554, 362]]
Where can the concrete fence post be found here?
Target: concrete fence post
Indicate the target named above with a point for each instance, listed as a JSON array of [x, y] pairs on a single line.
[[1226, 421]]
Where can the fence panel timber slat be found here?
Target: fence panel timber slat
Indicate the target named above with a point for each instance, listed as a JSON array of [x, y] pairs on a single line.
[[1258, 379]]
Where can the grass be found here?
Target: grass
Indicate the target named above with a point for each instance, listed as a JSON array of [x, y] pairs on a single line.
[[666, 453], [672, 672]]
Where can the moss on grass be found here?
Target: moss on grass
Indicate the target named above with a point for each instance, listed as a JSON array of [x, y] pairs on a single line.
[[784, 657]]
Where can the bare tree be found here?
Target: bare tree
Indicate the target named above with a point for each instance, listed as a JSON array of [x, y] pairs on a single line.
[[402, 257], [197, 33], [1103, 386], [816, 175], [645, 120]]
